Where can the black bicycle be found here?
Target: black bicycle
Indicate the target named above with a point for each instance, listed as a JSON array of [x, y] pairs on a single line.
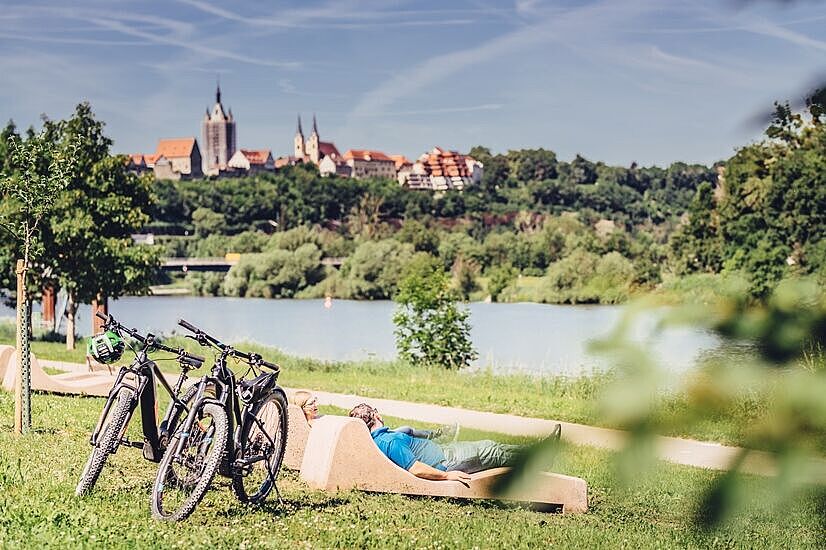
[[134, 385], [252, 409]]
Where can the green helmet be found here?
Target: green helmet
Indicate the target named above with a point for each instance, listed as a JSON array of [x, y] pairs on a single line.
[[106, 347]]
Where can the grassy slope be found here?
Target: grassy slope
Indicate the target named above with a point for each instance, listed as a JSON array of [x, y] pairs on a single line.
[[38, 474], [560, 398]]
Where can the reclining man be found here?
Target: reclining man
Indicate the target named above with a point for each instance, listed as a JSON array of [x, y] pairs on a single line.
[[427, 459]]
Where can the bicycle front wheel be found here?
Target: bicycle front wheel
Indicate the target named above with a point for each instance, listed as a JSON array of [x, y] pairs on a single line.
[[263, 439], [111, 431], [189, 465]]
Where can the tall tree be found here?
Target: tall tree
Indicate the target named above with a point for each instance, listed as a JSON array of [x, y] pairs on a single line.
[[34, 172], [92, 253]]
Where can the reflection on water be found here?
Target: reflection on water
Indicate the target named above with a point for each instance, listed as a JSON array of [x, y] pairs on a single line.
[[533, 338]]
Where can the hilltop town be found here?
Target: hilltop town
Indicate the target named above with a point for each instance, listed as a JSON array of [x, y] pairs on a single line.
[[181, 158]]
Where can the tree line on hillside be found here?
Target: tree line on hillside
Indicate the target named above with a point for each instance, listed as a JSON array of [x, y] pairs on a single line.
[[590, 232], [609, 224], [525, 180]]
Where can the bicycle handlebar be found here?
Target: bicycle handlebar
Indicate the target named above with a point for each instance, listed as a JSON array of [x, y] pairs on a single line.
[[249, 358], [184, 357]]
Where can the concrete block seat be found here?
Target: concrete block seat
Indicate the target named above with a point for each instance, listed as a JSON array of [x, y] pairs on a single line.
[[298, 430], [97, 384], [341, 455], [5, 353]]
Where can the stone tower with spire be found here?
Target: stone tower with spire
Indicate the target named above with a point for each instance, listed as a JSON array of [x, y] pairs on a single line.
[[298, 141], [313, 149], [218, 136]]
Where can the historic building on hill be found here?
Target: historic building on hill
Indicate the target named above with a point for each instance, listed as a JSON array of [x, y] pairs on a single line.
[[370, 164], [312, 149], [252, 161], [176, 159], [440, 170], [218, 136]]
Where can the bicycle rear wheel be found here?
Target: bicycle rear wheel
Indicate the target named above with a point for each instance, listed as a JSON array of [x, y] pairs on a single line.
[[111, 431], [263, 439], [182, 482]]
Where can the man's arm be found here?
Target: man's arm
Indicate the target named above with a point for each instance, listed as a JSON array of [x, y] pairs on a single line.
[[422, 470]]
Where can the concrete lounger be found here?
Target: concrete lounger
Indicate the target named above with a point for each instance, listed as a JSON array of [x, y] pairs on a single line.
[[341, 455], [5, 353], [72, 384], [298, 430]]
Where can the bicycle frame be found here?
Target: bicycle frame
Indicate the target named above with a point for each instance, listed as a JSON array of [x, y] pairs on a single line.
[[145, 373], [224, 385], [141, 377]]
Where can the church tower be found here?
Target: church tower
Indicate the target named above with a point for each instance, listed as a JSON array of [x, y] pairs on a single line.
[[298, 141], [218, 136], [313, 150]]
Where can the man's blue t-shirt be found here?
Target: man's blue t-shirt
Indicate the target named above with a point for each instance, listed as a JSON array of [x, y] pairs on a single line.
[[404, 450]]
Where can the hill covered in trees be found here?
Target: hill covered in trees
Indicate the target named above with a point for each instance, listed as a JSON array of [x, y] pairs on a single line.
[[536, 228]]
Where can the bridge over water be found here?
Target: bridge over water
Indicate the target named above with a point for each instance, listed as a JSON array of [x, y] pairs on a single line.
[[220, 264]]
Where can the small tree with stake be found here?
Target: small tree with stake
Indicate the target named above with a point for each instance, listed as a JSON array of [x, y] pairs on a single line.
[[38, 170], [430, 329]]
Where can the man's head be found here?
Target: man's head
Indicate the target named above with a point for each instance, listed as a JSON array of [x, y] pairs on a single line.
[[367, 413]]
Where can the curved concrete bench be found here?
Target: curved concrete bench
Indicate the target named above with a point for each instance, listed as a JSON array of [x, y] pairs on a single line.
[[341, 455], [298, 430], [5, 353], [71, 384]]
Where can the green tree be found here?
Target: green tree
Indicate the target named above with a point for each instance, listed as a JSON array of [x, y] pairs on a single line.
[[277, 273], [499, 277], [374, 270], [696, 245], [773, 208], [207, 222], [88, 239], [430, 329], [34, 173]]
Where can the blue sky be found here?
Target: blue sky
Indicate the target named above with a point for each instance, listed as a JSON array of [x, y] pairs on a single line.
[[651, 81]]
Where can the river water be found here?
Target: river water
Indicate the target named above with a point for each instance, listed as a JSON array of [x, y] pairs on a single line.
[[525, 337]]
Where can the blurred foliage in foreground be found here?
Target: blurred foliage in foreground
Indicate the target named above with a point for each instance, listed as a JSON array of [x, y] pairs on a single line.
[[786, 373], [783, 379]]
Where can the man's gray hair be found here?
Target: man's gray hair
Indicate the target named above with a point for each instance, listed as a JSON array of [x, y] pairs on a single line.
[[366, 413]]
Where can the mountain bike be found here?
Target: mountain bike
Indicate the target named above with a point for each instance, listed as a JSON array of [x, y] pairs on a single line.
[[237, 427], [135, 385]]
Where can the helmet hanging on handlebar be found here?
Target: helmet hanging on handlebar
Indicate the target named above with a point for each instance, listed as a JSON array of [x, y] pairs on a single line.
[[106, 347]]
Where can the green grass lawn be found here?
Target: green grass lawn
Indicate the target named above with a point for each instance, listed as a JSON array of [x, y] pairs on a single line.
[[38, 473]]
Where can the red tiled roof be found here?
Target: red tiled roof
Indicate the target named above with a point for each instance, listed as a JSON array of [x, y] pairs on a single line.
[[256, 156], [328, 149], [400, 161], [280, 162], [365, 154], [173, 148], [151, 159], [440, 162]]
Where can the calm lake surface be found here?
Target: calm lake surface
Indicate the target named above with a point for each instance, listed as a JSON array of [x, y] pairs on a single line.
[[534, 338]]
